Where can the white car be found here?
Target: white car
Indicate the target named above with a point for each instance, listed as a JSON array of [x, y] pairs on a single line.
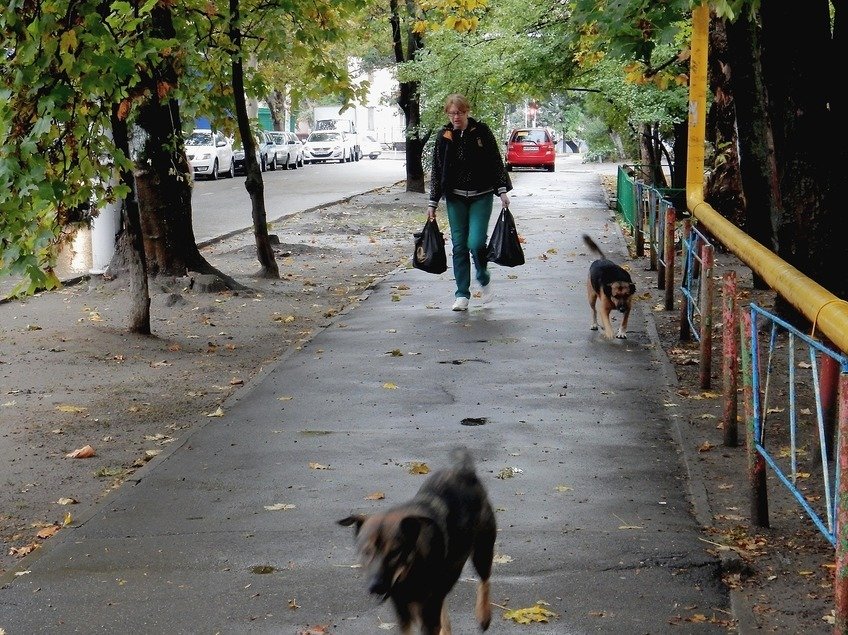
[[327, 145], [210, 154], [371, 148]]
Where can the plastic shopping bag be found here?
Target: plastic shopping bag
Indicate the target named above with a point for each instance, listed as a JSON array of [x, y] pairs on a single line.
[[429, 254], [505, 247]]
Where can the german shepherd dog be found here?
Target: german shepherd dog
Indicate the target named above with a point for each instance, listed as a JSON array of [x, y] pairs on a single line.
[[415, 552], [612, 285]]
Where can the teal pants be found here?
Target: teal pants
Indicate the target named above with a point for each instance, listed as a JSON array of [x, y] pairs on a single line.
[[469, 226]]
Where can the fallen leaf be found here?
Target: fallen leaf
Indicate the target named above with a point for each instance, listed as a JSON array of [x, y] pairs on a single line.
[[235, 381], [285, 398], [376, 496], [85, 452], [418, 468], [20, 552], [69, 408], [536, 613], [395, 352], [279, 507], [501, 559], [318, 466], [218, 413], [563, 488], [706, 446], [67, 520], [47, 532], [390, 386]]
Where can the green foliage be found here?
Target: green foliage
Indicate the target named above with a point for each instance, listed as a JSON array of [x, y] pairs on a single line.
[[57, 161]]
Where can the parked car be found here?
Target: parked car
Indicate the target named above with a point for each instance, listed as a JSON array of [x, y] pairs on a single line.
[[327, 145], [263, 147], [278, 151], [210, 154], [530, 148], [295, 151], [371, 148]]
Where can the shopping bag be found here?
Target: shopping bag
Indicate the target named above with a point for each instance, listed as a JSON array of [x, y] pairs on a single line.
[[504, 246], [429, 254]]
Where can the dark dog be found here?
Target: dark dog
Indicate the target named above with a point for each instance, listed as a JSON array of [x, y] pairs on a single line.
[[415, 552], [613, 286]]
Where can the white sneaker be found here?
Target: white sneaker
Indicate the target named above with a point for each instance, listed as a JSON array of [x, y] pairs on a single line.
[[460, 304], [486, 293]]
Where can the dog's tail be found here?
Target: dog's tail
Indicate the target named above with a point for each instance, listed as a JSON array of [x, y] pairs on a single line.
[[592, 245]]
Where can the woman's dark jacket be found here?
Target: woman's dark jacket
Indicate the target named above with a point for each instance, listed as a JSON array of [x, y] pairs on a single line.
[[470, 161]]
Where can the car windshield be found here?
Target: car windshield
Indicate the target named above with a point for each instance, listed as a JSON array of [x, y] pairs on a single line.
[[324, 136], [278, 138], [199, 138], [534, 136]]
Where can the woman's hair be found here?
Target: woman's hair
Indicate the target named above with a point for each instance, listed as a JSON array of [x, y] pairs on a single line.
[[457, 101]]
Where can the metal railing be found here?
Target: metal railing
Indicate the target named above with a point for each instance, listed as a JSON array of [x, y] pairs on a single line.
[[801, 462]]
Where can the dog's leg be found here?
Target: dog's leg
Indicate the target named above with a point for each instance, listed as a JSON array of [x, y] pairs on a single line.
[[483, 606], [484, 554], [606, 309], [622, 330], [593, 298], [446, 625]]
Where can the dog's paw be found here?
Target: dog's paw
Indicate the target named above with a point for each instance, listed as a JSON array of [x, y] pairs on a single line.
[[621, 336], [594, 327]]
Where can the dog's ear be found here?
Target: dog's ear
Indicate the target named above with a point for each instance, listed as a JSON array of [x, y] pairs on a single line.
[[607, 290], [354, 519], [632, 288]]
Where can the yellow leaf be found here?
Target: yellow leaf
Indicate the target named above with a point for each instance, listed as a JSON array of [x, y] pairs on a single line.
[[418, 468], [218, 413], [318, 466], [285, 398], [279, 507], [376, 496], [69, 408], [67, 520], [390, 386], [563, 488], [501, 559], [535, 613]]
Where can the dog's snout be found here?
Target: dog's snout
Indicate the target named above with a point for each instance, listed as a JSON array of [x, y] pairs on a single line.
[[622, 307]]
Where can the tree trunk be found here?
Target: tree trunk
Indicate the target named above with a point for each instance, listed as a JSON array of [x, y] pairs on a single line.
[[163, 187], [796, 46], [253, 181], [723, 187], [409, 99], [139, 315]]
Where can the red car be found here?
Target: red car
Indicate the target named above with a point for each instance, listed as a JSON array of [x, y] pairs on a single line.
[[530, 148]]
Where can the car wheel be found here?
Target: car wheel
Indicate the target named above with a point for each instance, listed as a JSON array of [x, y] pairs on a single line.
[[262, 165], [551, 167], [273, 165], [213, 175], [508, 167], [231, 173]]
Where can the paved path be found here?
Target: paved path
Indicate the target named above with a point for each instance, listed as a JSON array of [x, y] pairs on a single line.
[[596, 520]]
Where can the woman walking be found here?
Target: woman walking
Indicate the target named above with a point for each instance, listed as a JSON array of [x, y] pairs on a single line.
[[468, 171]]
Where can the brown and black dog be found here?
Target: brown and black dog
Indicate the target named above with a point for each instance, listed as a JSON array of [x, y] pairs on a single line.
[[613, 286], [415, 552]]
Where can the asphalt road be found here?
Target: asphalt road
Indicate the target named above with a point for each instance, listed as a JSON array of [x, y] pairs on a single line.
[[223, 206], [234, 530]]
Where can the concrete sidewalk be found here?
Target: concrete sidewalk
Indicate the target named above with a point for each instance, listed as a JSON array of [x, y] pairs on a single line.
[[234, 530]]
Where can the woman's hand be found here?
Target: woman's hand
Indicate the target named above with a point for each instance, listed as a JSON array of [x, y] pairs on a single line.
[[431, 213], [504, 200]]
